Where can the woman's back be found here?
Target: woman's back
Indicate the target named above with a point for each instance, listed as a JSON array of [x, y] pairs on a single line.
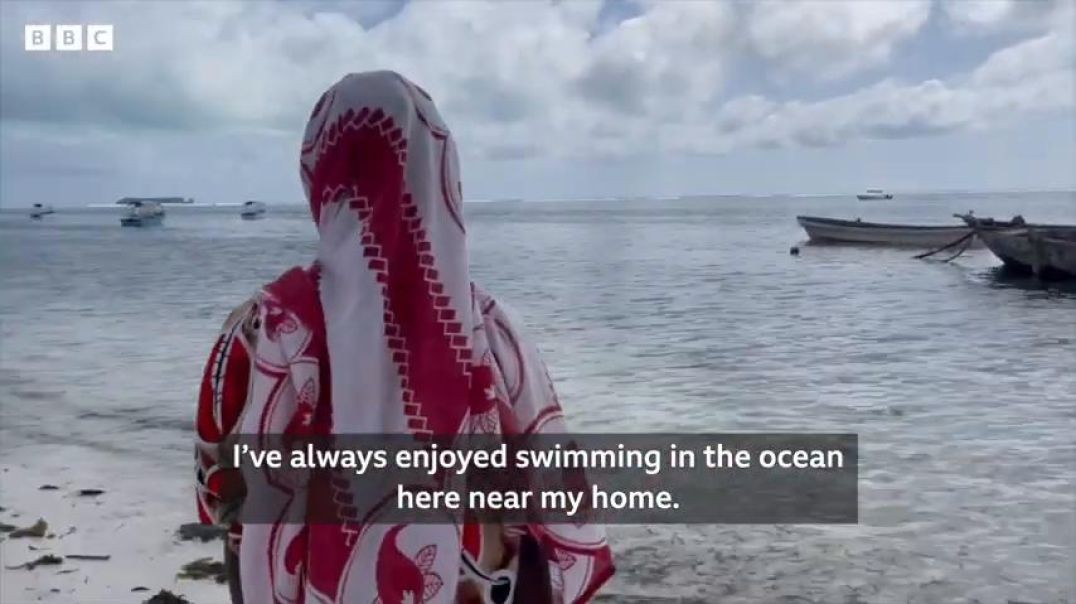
[[385, 334]]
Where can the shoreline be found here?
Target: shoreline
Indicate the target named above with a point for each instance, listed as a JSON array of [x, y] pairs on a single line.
[[134, 521]]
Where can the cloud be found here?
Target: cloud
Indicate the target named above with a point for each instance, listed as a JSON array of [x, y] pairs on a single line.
[[175, 65], [368, 13], [528, 79], [832, 39], [994, 16], [1031, 77], [651, 62], [1052, 53]]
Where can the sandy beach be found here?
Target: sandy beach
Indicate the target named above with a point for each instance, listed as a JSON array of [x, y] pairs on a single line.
[[133, 522]]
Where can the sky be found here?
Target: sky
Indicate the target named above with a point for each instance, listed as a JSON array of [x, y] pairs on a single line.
[[552, 99]]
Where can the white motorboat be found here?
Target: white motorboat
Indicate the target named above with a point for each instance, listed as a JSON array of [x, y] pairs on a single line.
[[41, 210], [874, 194], [252, 210], [141, 212], [157, 200]]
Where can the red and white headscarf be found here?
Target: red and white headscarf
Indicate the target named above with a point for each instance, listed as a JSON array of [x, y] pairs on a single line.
[[386, 334]]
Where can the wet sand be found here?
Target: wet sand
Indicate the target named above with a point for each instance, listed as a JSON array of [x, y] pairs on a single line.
[[135, 519]]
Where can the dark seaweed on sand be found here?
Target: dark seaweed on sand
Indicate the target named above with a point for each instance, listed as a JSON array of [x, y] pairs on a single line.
[[87, 556], [201, 532], [37, 530], [166, 597], [47, 559], [204, 568]]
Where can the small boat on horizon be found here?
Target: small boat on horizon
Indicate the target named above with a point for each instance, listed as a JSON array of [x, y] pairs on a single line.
[[157, 200], [141, 212], [148, 211], [833, 230], [252, 210], [874, 194], [39, 211]]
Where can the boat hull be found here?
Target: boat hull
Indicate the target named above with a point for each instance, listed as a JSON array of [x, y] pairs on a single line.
[[141, 221], [830, 230], [873, 197], [1046, 253]]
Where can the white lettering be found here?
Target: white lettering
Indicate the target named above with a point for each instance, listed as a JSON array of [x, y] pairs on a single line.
[[802, 459], [497, 500], [426, 500], [632, 500]]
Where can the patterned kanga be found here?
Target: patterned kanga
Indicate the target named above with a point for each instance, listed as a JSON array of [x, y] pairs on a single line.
[[384, 334]]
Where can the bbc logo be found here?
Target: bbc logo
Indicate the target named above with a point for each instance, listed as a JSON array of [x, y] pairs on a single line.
[[68, 37]]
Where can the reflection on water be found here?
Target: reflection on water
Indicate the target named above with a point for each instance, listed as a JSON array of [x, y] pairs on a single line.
[[1003, 277], [654, 316]]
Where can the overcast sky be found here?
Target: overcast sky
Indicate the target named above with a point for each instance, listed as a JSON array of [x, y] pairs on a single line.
[[553, 99]]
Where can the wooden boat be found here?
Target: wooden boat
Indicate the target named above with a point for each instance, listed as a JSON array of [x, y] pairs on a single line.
[[832, 230], [1046, 251]]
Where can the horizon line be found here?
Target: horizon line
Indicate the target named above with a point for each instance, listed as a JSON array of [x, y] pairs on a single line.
[[670, 197]]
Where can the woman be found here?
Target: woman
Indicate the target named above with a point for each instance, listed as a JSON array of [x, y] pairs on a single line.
[[385, 333]]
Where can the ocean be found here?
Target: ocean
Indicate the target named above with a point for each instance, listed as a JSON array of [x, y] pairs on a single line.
[[682, 315]]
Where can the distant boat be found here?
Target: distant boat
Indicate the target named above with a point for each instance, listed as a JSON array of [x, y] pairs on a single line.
[[252, 210], [874, 194], [158, 200], [1046, 251], [141, 212], [833, 230], [40, 211]]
